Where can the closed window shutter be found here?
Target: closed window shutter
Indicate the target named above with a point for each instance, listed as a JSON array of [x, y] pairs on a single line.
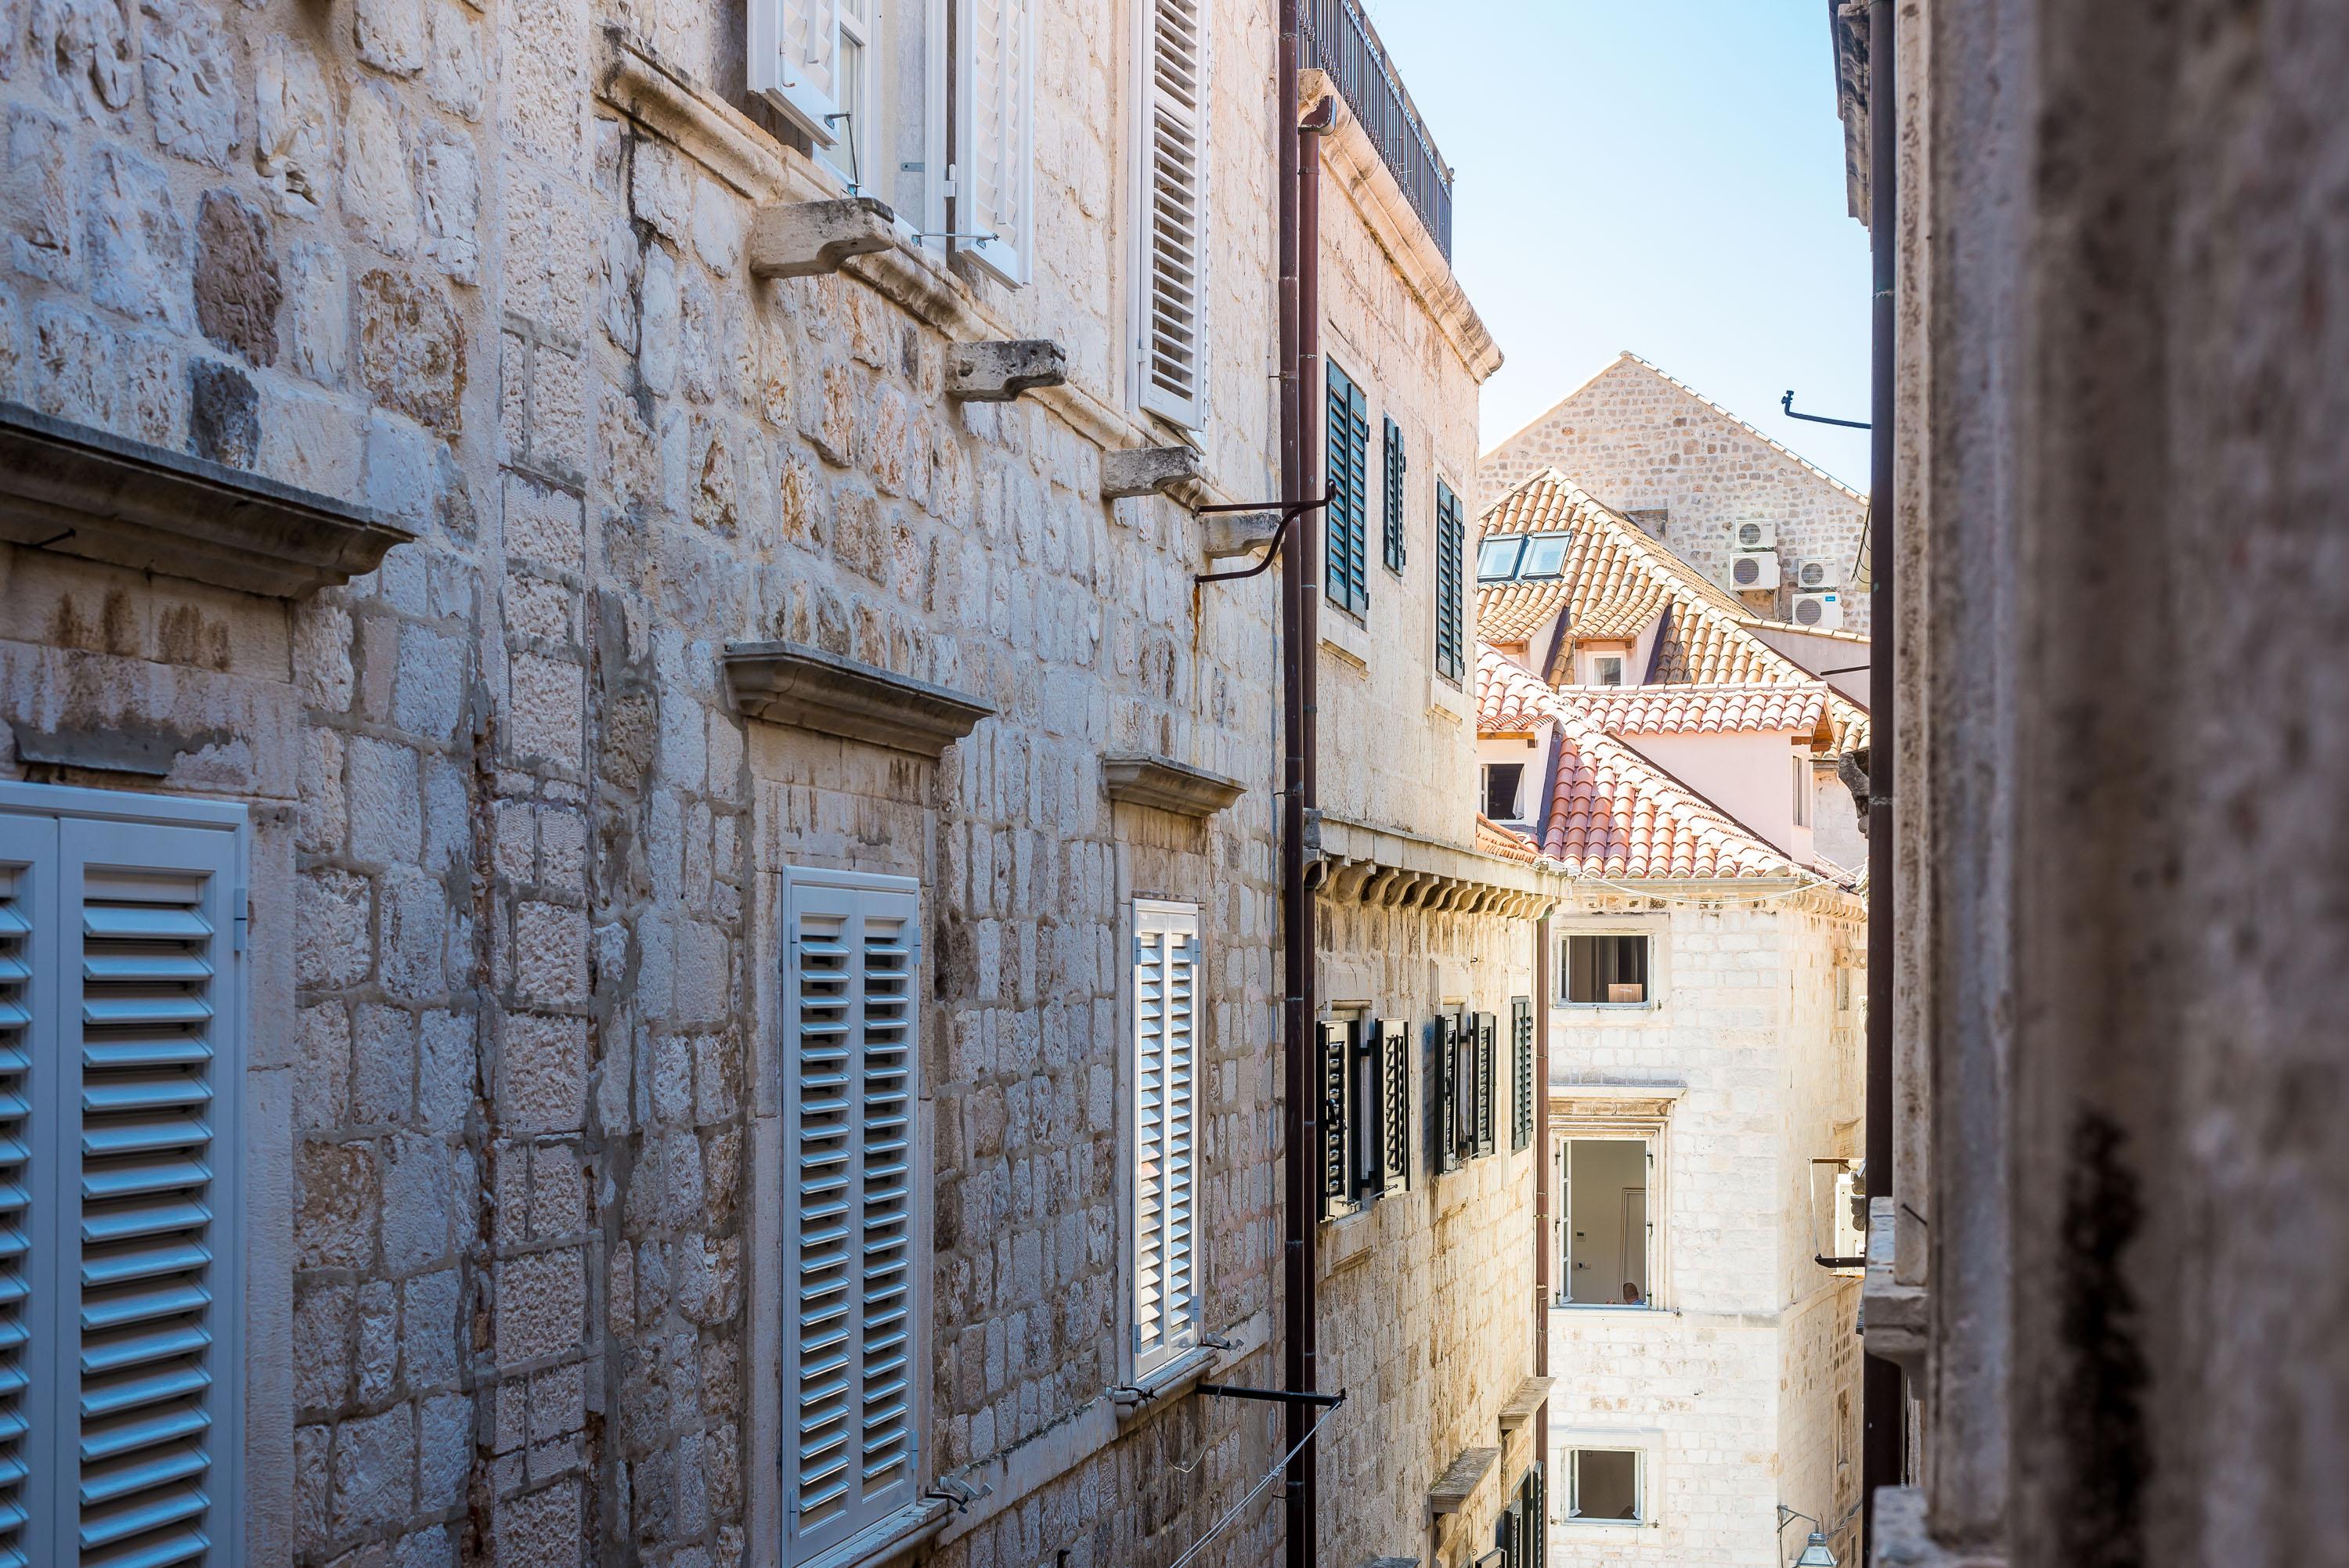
[[1485, 1085], [1443, 1107], [851, 1013], [1521, 1061], [794, 61], [1336, 1048], [1394, 1103], [1173, 194], [995, 139], [1346, 558], [121, 1299], [1450, 548], [1393, 464], [1165, 1171]]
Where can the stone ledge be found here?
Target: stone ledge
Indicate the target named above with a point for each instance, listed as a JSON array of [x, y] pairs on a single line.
[[1894, 1317], [1167, 785], [1524, 1402], [891, 1540], [1460, 1481], [787, 682], [76, 491]]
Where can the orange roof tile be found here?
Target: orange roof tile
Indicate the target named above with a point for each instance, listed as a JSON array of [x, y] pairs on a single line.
[[1492, 839], [1705, 709], [1611, 812]]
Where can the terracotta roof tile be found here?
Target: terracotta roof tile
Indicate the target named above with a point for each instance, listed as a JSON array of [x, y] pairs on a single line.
[[1611, 812], [1492, 839], [1704, 709]]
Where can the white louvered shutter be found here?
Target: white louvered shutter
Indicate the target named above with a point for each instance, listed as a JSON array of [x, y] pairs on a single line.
[[995, 139], [121, 1300], [794, 59], [856, 1323], [1166, 1144], [1172, 187]]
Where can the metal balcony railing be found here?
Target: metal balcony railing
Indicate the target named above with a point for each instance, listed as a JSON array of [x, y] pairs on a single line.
[[1339, 39]]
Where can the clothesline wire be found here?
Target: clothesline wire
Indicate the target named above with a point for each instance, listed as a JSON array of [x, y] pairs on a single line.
[[1241, 1507]]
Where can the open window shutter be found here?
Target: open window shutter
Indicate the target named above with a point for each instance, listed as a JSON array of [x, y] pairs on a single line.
[[121, 1300], [1450, 550], [1392, 462], [1335, 1176], [794, 61], [1394, 1103], [1166, 1180], [850, 1022], [996, 137], [1486, 1028], [1521, 1063], [1173, 190], [1346, 462], [1443, 1110]]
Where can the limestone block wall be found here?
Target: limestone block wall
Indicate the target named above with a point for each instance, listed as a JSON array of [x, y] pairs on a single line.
[[1425, 1296], [515, 899], [1642, 442], [1729, 1385]]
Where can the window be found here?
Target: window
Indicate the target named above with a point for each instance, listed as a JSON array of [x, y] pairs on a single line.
[[122, 1055], [1607, 669], [1516, 557], [1504, 783], [857, 1356], [1604, 1485], [1164, 1235], [1601, 969], [1451, 551], [1172, 187], [1523, 1543], [1339, 1041], [1365, 1070], [1392, 498], [1463, 1119], [1521, 1072], [1802, 791], [1609, 1231], [1346, 560], [864, 79], [995, 140]]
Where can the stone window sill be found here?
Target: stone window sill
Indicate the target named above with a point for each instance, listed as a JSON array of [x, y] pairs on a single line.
[[890, 1541], [1164, 1385]]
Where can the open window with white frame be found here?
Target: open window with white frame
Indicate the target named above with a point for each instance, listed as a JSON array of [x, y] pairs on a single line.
[[1605, 1486], [1505, 791], [1163, 1251], [1606, 1182], [1606, 968]]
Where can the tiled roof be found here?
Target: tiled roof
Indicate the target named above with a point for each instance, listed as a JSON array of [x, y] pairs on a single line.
[[1492, 839], [1509, 707], [1611, 812], [1703, 709], [1615, 581]]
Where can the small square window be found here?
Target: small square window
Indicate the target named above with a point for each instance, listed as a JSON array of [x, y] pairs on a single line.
[[1504, 787], [1607, 669], [1604, 1485], [1601, 969]]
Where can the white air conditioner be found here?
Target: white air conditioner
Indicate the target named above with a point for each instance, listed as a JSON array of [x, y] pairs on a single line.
[[1812, 576], [1752, 573], [1756, 535], [1824, 611]]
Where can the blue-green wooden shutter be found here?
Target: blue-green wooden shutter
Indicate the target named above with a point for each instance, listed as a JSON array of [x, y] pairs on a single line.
[[1450, 550], [1345, 571], [1393, 463], [1394, 1103]]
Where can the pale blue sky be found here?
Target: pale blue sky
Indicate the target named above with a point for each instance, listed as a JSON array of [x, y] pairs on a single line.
[[1663, 178]]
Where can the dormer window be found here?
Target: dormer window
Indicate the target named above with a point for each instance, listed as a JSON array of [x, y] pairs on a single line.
[[1607, 669], [1504, 782]]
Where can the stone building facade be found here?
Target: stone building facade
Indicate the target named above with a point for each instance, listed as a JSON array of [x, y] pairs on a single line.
[[546, 577], [1689, 472]]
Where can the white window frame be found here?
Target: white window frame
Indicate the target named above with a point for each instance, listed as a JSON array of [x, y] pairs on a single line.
[[1191, 413], [865, 169], [1658, 976], [1644, 1447], [1597, 671], [1651, 1138], [1006, 251], [1803, 787], [1516, 801], [1161, 919], [877, 1519], [212, 839]]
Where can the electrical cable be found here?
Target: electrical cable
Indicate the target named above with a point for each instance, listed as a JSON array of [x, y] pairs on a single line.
[[1253, 1492]]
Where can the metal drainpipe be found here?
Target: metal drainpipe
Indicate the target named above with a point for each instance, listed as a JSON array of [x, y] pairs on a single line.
[[1299, 1118], [1542, 1248], [1881, 1395]]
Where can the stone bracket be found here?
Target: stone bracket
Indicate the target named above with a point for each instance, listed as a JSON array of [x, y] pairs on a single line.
[[999, 371], [788, 683], [1459, 1481], [82, 492], [803, 239], [1168, 785], [1147, 470], [1521, 1404], [1238, 534]]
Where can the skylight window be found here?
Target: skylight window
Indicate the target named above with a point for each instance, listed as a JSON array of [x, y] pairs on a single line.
[[1521, 558], [1497, 559], [1545, 555]]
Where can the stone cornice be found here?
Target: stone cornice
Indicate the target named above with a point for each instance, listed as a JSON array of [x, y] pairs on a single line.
[[76, 491], [1168, 785], [1386, 866], [1353, 157], [807, 689]]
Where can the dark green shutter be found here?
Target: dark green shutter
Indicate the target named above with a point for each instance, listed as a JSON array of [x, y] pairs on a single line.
[[1486, 1028], [1346, 460], [1442, 1107], [1394, 464], [1450, 550], [1394, 1102], [1521, 1047], [1336, 1180]]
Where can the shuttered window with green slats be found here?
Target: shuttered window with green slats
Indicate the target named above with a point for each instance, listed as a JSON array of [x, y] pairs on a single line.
[[1393, 463], [1451, 561], [1346, 462]]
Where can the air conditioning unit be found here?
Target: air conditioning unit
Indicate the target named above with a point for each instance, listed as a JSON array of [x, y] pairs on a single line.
[[1753, 572], [1756, 535], [1811, 576], [1824, 611]]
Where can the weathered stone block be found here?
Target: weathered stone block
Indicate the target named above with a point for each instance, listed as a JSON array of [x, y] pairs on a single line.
[[999, 372], [803, 239], [390, 35], [236, 281], [294, 125], [542, 1300], [379, 196], [191, 80], [1148, 470], [41, 199], [411, 348], [137, 246]]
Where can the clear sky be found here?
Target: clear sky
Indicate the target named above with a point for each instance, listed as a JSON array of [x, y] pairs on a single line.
[[1665, 178]]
